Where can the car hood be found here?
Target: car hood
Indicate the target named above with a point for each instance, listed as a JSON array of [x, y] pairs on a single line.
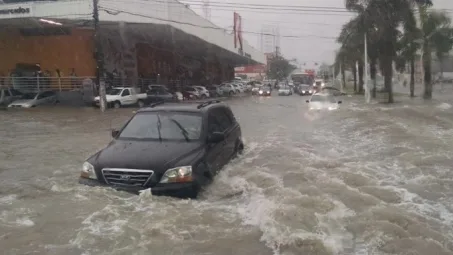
[[151, 155]]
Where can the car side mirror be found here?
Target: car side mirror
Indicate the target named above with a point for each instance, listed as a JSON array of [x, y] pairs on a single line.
[[115, 133], [216, 137], [339, 102], [307, 101]]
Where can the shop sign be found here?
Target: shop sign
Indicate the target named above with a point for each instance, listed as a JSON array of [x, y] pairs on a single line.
[[19, 11]]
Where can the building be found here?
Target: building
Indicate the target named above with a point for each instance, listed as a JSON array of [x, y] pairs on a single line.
[[163, 41], [269, 38], [251, 72]]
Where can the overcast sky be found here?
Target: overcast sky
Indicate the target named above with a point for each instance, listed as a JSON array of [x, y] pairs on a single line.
[[315, 30]]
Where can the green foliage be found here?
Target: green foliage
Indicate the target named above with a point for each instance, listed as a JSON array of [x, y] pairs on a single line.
[[279, 68]]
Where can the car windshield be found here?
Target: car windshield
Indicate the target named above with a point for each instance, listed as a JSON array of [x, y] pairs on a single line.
[[190, 89], [163, 126], [29, 96], [305, 87], [114, 92], [323, 99]]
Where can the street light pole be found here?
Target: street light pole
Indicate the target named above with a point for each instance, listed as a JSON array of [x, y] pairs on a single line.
[[99, 55]]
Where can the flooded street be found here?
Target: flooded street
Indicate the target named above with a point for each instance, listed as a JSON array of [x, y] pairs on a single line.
[[365, 179]]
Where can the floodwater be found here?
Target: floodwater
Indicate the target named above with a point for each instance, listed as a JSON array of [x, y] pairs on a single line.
[[364, 179]]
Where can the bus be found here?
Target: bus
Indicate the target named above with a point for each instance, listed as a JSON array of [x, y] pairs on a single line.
[[303, 78]]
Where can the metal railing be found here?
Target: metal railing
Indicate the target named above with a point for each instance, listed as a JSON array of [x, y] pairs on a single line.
[[60, 84], [42, 83]]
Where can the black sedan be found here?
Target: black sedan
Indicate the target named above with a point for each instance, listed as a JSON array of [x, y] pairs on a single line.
[[172, 150], [305, 90]]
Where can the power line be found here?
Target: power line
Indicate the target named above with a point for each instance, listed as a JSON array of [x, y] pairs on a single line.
[[112, 11]]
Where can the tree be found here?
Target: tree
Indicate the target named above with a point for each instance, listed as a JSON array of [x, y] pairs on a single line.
[[383, 18], [279, 68]]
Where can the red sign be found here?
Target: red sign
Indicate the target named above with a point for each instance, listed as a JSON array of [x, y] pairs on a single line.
[[250, 69], [310, 71]]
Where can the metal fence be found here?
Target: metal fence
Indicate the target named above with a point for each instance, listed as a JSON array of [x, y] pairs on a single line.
[[62, 84], [35, 84]]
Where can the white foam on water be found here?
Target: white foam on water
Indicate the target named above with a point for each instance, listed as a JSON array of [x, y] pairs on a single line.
[[444, 106]]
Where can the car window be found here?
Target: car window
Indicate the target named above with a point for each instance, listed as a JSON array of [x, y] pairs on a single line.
[[15, 92], [223, 118], [7, 94], [125, 93], [41, 95], [167, 125]]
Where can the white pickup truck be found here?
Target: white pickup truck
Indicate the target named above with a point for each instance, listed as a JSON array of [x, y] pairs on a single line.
[[123, 96]]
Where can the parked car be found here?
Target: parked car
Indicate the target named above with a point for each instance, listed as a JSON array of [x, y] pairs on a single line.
[[228, 89], [160, 94], [29, 100], [214, 90], [123, 96], [204, 93], [8, 95], [190, 93], [172, 149], [238, 89]]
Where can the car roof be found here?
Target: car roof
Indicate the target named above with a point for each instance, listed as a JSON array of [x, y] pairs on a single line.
[[192, 107]]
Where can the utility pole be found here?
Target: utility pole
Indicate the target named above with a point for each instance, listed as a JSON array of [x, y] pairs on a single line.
[[367, 91], [99, 54]]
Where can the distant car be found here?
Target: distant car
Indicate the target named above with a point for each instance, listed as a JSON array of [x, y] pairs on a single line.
[[319, 83], [123, 96], [323, 102], [34, 99], [285, 91], [214, 90], [204, 93], [172, 149], [305, 90], [160, 94], [190, 93], [228, 89], [265, 91]]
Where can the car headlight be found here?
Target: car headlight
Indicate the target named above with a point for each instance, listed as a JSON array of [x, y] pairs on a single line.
[[88, 171], [310, 91], [177, 174], [261, 92]]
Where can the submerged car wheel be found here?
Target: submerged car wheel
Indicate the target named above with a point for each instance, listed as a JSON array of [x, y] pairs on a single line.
[[231, 93], [116, 105]]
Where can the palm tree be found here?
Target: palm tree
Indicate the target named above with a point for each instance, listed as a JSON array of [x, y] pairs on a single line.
[[435, 27], [385, 16], [408, 48]]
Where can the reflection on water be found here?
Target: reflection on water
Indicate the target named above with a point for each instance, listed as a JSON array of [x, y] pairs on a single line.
[[365, 179]]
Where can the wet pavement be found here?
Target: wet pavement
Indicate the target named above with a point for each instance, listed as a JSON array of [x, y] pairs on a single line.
[[364, 179]]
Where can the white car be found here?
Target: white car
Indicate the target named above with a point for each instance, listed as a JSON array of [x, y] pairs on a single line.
[[323, 102], [9, 95], [204, 93], [319, 83], [35, 99], [123, 96], [228, 89], [285, 91]]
